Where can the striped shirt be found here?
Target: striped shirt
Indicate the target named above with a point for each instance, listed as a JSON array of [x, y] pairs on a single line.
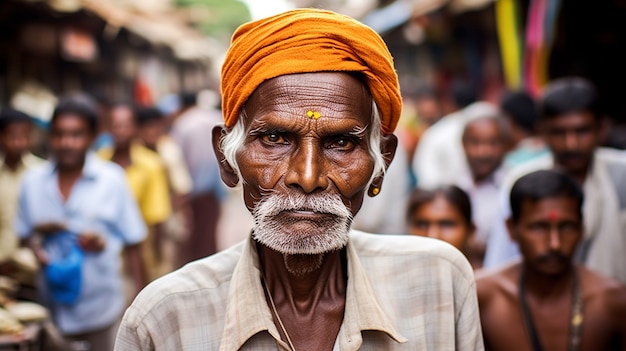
[[403, 293]]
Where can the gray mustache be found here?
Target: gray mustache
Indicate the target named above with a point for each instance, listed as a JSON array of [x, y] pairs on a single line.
[[276, 203]]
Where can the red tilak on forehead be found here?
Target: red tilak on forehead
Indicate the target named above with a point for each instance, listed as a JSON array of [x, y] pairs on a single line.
[[553, 215]]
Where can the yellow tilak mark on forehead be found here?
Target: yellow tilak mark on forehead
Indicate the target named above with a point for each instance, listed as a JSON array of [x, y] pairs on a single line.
[[313, 114]]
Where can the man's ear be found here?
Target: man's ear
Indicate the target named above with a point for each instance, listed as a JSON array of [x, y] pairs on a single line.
[[228, 174], [388, 146], [510, 227]]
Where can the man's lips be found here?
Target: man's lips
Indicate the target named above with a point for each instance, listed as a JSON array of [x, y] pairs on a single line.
[[305, 214]]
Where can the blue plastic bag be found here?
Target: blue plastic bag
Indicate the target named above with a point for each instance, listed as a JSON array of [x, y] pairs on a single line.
[[64, 270]]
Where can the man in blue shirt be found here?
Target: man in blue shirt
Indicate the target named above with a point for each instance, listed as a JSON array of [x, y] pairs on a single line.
[[80, 197]]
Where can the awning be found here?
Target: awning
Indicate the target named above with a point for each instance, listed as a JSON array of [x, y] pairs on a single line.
[[159, 29], [401, 11]]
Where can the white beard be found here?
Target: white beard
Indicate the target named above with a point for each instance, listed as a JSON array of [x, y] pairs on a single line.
[[302, 237]]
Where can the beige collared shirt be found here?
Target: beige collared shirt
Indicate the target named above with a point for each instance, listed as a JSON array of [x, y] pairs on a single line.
[[10, 181], [403, 293]]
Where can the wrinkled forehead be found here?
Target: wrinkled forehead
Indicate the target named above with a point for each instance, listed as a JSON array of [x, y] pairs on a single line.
[[316, 96]]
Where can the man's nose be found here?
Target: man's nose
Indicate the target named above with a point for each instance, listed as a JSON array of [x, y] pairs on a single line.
[[571, 141], [554, 239], [307, 168], [433, 231], [66, 140]]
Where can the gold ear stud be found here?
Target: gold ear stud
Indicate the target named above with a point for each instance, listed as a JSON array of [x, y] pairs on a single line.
[[313, 114], [375, 191]]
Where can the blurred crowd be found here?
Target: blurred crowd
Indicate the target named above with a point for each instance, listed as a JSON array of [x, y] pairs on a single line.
[[129, 193]]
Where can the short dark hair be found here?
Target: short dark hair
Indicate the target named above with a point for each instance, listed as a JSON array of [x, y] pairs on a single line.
[[522, 108], [188, 98], [144, 115], [452, 193], [569, 94], [9, 116], [78, 104], [541, 185]]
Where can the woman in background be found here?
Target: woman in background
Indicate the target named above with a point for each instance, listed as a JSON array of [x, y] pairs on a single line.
[[444, 213]]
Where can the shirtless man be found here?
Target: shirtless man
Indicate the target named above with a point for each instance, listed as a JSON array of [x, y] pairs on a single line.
[[546, 302]]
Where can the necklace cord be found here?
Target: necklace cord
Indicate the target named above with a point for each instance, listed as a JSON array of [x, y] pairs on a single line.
[[576, 317], [280, 322]]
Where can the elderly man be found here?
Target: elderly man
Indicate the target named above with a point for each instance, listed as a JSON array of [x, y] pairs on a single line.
[[310, 103]]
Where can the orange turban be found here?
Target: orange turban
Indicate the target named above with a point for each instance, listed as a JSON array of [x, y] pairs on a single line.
[[304, 41]]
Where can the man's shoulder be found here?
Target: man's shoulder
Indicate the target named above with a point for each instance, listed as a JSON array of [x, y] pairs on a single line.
[[410, 248], [38, 172], [202, 279], [146, 158], [104, 169], [615, 160], [599, 286], [502, 280]]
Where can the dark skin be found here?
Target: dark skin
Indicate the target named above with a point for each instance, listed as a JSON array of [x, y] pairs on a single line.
[[123, 130], [572, 138], [70, 139], [548, 231], [288, 152], [15, 142], [439, 219], [484, 145]]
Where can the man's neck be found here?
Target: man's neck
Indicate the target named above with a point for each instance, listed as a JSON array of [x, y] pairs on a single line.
[[543, 288], [478, 180], [12, 162], [307, 286], [121, 155], [307, 308], [152, 147]]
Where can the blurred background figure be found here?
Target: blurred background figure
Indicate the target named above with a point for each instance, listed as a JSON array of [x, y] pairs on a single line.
[[439, 155], [147, 179], [571, 124], [190, 129], [421, 108], [563, 305], [152, 134], [444, 213], [78, 215], [521, 113], [428, 105], [15, 160], [484, 142]]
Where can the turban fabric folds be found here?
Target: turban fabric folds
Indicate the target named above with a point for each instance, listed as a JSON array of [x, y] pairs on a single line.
[[305, 41]]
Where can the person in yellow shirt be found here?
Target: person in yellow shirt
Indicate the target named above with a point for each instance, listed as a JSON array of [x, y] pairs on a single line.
[[146, 176], [15, 160], [151, 125]]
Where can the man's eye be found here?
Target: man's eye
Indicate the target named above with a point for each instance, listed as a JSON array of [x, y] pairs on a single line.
[[447, 224], [539, 227], [569, 227], [274, 138], [344, 143]]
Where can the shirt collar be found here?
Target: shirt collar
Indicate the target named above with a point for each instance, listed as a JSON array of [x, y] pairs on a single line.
[[90, 167], [247, 312]]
